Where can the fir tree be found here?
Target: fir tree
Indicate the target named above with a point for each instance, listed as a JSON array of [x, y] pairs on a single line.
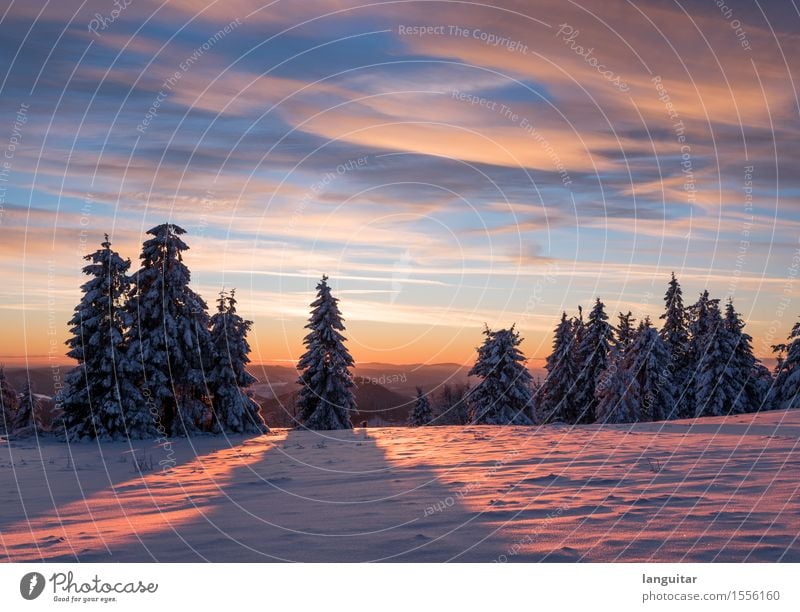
[[421, 414], [168, 333], [709, 351], [786, 390], [593, 353], [9, 402], [503, 396], [578, 329], [649, 362], [326, 398], [234, 411], [675, 334], [605, 392], [558, 389], [640, 386], [624, 332], [452, 406], [764, 383], [100, 400], [27, 420], [618, 398], [744, 378]]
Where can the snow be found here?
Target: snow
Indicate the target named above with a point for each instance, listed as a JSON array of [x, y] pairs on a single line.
[[717, 488]]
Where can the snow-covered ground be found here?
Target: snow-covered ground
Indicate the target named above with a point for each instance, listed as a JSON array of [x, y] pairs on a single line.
[[716, 489]]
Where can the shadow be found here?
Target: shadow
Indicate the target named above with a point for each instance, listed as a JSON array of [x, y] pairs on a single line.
[[436, 494], [61, 500], [307, 496]]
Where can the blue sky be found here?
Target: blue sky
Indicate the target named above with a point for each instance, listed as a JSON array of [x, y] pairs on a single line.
[[496, 183]]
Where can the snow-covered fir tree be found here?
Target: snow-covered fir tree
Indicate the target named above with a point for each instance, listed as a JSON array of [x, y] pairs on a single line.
[[639, 386], [765, 383], [557, 394], [675, 334], [593, 359], [326, 398], [786, 390], [710, 351], [27, 420], [451, 405], [578, 329], [606, 390], [421, 413], [624, 333], [504, 394], [9, 401], [234, 410], [100, 398], [168, 334], [649, 362], [618, 397], [745, 376]]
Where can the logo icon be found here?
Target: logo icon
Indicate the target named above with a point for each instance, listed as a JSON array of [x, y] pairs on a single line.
[[31, 585]]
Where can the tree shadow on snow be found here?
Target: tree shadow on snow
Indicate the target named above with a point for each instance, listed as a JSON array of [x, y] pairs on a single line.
[[319, 496]]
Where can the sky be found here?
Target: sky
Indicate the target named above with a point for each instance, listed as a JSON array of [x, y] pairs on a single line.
[[448, 164]]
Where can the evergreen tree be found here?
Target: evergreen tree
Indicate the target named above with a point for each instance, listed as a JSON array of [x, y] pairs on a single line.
[[578, 329], [709, 351], [640, 388], [504, 395], [625, 332], [326, 398], [100, 400], [764, 384], [611, 386], [744, 378], [168, 333], [648, 360], [675, 334], [228, 377], [558, 389], [786, 390], [593, 354], [452, 405], [421, 414], [27, 420], [618, 399], [9, 402]]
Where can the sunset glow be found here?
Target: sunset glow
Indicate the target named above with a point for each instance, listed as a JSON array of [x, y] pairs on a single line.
[[496, 170]]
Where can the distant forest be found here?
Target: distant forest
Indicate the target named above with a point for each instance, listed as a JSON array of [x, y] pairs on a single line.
[[152, 363]]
